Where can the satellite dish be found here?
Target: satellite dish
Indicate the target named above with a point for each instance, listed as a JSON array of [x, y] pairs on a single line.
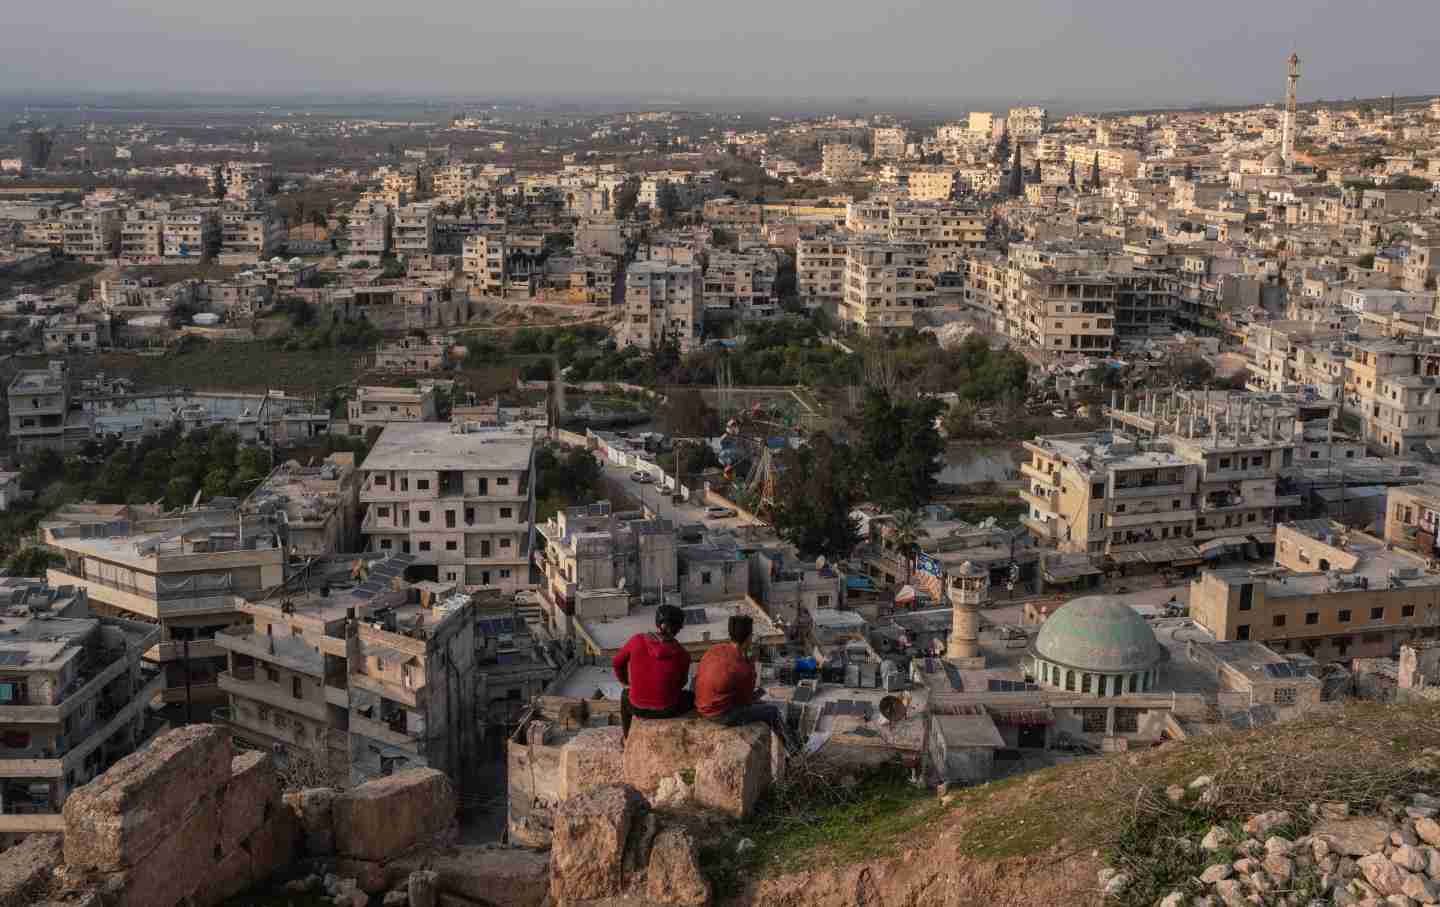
[[820, 562]]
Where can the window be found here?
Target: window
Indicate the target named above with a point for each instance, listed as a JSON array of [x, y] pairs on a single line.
[[382, 512], [1092, 721], [380, 480], [1127, 721], [424, 546], [469, 515], [451, 545], [295, 688], [507, 513], [1119, 508], [504, 573], [1279, 620], [449, 519], [1407, 610], [504, 543], [1284, 695], [424, 516], [1070, 680], [705, 577], [1242, 632], [384, 544], [1247, 596], [1344, 616], [422, 484], [1249, 517], [272, 675], [1175, 504], [1312, 618], [502, 481], [1377, 613], [1224, 462]]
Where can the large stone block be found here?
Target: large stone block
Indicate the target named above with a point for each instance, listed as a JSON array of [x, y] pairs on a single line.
[[27, 868], [500, 877], [673, 875], [594, 758], [190, 864], [119, 819], [311, 809], [251, 799], [732, 766], [381, 819], [587, 848]]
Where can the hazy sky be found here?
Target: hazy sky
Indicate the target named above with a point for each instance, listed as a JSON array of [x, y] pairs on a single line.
[[1094, 51]]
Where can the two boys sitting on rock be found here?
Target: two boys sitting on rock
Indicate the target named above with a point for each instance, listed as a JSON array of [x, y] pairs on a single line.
[[654, 667]]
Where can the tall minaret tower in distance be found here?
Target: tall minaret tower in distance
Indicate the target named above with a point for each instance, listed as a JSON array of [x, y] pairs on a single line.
[[1287, 127]]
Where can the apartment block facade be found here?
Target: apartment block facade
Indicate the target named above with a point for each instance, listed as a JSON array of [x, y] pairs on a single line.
[[249, 235], [39, 404], [664, 303], [884, 284], [842, 162], [1394, 386], [458, 499]]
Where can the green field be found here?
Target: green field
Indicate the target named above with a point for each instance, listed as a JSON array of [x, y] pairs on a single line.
[[236, 367]]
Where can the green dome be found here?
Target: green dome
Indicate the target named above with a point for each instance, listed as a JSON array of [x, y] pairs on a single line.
[[1101, 635]]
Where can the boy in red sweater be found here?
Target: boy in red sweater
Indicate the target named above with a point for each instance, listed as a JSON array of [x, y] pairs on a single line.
[[655, 668], [725, 688]]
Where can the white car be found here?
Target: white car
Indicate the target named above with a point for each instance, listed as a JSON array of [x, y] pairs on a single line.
[[641, 476], [718, 513]]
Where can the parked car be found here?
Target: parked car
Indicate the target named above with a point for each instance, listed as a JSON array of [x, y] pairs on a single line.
[[641, 476], [718, 513]]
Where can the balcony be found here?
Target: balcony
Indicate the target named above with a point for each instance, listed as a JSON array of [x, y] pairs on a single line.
[[1043, 502], [1049, 478], [391, 734], [1153, 517], [1150, 489], [241, 683]]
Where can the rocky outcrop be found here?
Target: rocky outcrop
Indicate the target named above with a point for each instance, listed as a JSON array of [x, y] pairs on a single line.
[[732, 767], [496, 877], [607, 845], [27, 870], [594, 758]]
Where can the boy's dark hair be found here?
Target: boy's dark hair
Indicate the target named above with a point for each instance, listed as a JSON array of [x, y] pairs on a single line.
[[742, 627], [669, 615]]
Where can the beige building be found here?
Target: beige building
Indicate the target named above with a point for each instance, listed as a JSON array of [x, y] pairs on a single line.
[[820, 270], [180, 571], [92, 233], [842, 162], [249, 235], [379, 406], [1333, 593], [1063, 312], [1394, 386], [361, 672], [484, 262], [321, 505], [74, 699], [459, 499], [39, 404], [664, 303], [1026, 122], [884, 284], [413, 232], [981, 122], [888, 143], [371, 231], [932, 183]]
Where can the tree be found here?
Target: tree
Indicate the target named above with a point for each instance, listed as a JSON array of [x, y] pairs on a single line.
[[667, 199], [815, 493], [1017, 175], [319, 219], [906, 532], [41, 145], [685, 414], [33, 560], [84, 291], [625, 198], [217, 180], [1095, 172], [1002, 148], [1072, 173], [899, 452], [1037, 175]]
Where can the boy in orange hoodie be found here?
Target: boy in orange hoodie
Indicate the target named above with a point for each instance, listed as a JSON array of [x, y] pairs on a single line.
[[725, 688]]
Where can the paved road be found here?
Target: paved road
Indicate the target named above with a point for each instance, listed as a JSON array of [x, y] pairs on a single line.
[[659, 503]]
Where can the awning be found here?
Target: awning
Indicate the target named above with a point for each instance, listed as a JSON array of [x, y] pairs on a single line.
[[1023, 717]]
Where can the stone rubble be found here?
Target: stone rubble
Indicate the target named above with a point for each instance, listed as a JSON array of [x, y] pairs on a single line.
[[1387, 859]]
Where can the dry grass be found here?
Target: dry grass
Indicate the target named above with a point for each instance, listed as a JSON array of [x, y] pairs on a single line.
[[1050, 831]]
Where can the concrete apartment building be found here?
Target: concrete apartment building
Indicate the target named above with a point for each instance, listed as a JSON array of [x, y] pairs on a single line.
[[358, 670], [1109, 492], [459, 499], [414, 230], [180, 571], [932, 183], [321, 506], [39, 404], [1060, 312], [820, 270], [1286, 356], [887, 143], [248, 236], [485, 263], [414, 355], [1026, 122], [188, 234], [981, 122], [1411, 514], [842, 162], [740, 285], [92, 233], [884, 284], [379, 406], [664, 303], [1333, 593], [1394, 386], [142, 232], [370, 231], [74, 699], [591, 279]]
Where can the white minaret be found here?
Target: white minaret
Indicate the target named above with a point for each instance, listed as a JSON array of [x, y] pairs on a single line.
[[1287, 127]]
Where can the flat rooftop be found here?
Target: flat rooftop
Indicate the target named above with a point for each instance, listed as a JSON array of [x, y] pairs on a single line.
[[1378, 566], [1093, 452], [439, 446], [705, 624]]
